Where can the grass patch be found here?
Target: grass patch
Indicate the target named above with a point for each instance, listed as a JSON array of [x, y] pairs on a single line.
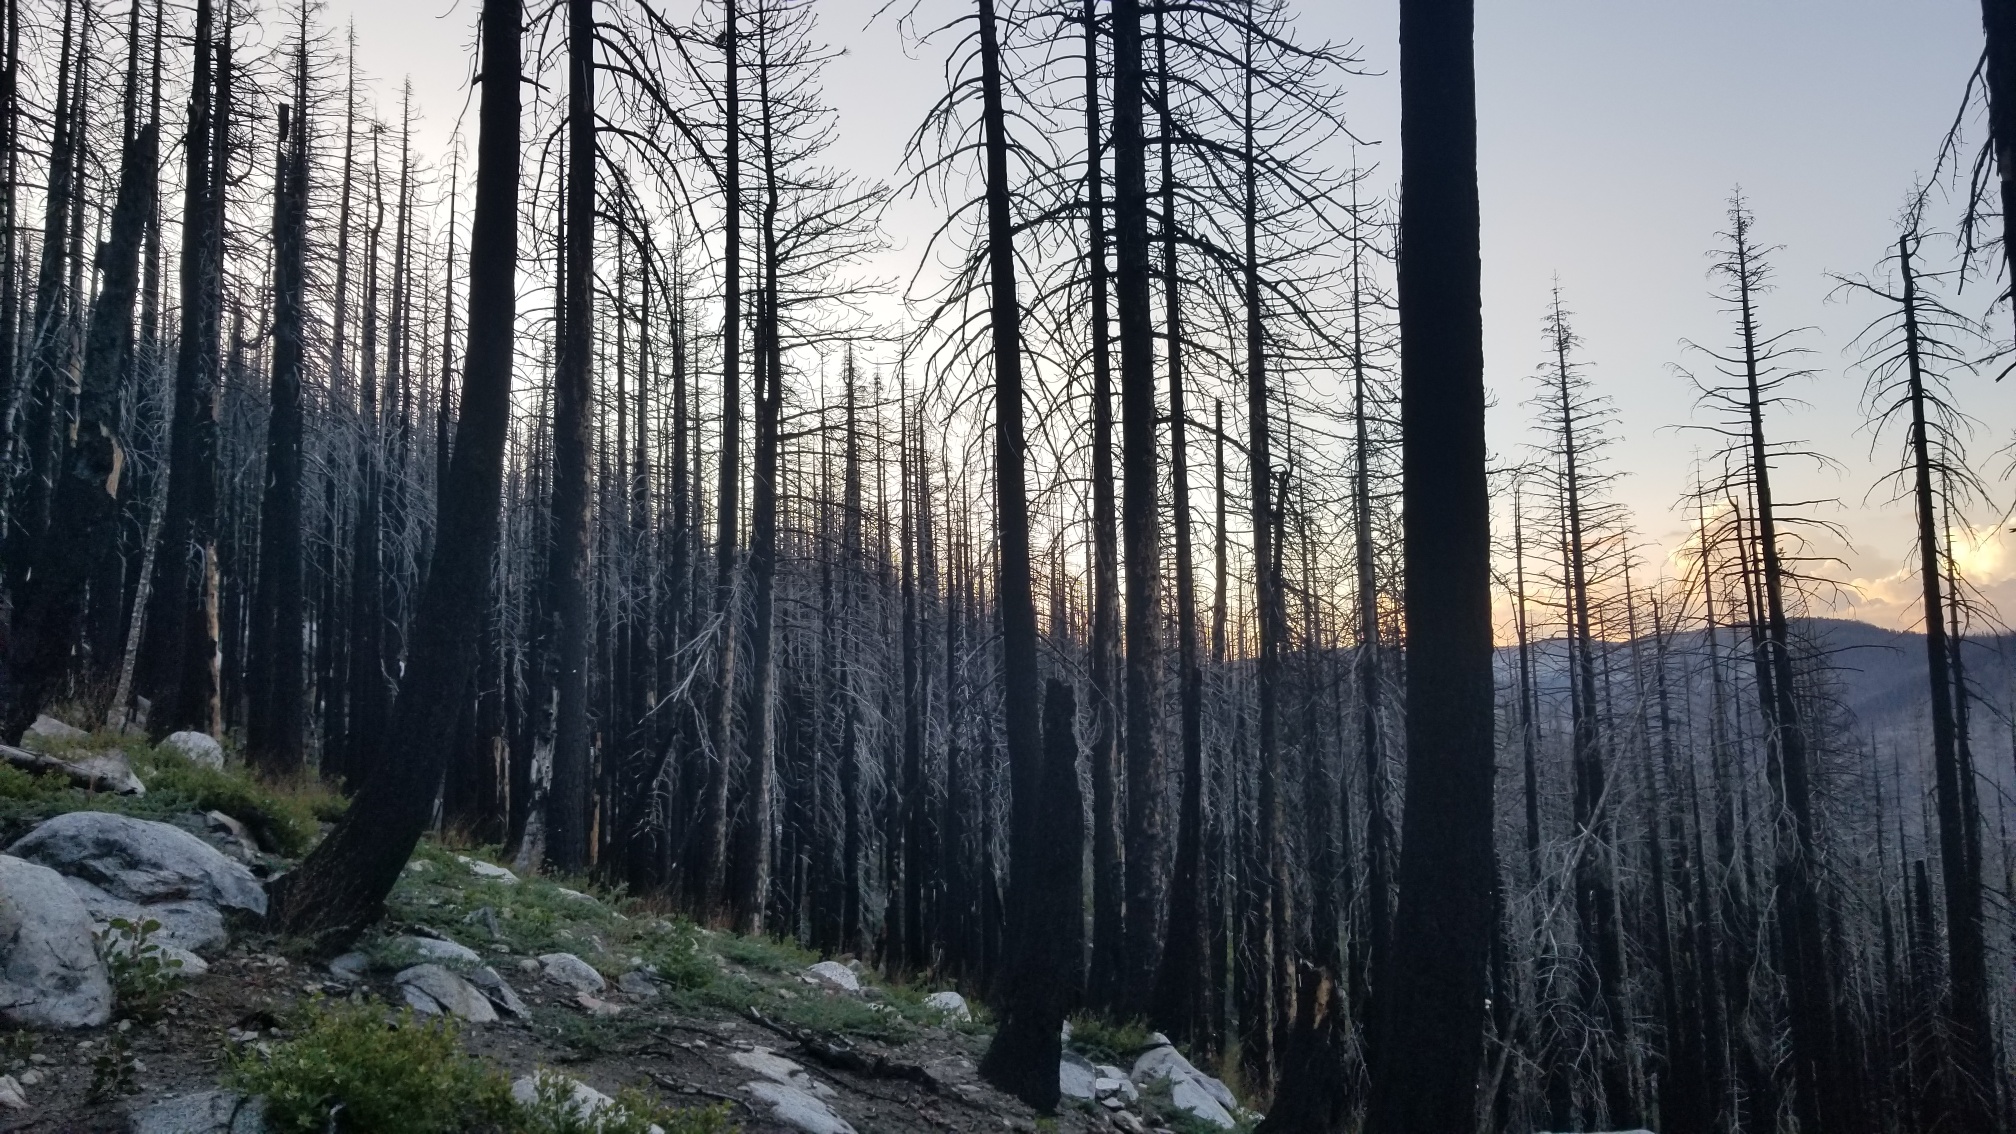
[[349, 1068], [764, 954], [1106, 1041]]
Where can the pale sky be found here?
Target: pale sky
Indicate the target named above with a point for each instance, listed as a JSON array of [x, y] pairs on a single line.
[[1611, 135]]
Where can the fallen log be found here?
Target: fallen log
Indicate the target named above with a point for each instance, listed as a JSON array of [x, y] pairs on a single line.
[[106, 772]]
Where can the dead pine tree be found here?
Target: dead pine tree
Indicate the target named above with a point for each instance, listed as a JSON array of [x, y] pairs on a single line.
[[341, 886], [1912, 348]]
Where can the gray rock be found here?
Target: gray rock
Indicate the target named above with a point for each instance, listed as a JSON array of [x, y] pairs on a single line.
[[488, 870], [585, 1101], [434, 991], [501, 994], [778, 1069], [140, 861], [11, 1095], [800, 1110], [1167, 1063], [1188, 1096], [349, 966], [439, 950], [50, 974], [834, 975], [199, 748], [1113, 1083], [185, 923], [572, 971], [47, 727], [1077, 1079], [950, 1005], [205, 1112], [638, 984], [237, 838]]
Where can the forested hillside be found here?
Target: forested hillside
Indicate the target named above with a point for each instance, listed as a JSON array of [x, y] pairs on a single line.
[[1116, 616]]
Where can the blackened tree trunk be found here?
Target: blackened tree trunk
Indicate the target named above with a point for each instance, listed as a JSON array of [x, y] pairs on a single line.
[[1179, 996], [1140, 516], [180, 622], [341, 886], [573, 389], [710, 857], [84, 515], [1998, 24], [1022, 1060], [1432, 996], [1109, 947], [275, 737]]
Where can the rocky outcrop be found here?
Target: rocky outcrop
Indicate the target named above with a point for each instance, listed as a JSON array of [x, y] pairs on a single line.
[[1190, 1090], [141, 861], [50, 973]]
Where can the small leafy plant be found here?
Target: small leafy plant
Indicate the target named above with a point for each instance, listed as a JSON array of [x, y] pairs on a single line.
[[113, 1069], [143, 974]]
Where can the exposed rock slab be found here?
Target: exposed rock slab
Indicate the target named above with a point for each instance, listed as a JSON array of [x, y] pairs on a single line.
[[50, 974], [800, 1110], [434, 991], [140, 861], [501, 994], [778, 1069], [205, 1112]]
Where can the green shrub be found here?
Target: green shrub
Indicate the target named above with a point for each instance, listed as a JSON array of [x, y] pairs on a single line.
[[142, 975], [348, 1068], [680, 961], [283, 818], [553, 1111]]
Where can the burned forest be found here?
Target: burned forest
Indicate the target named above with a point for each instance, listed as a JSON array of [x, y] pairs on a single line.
[[606, 602]]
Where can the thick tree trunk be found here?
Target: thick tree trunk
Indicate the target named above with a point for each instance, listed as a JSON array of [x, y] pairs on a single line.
[[276, 738], [567, 818], [341, 887], [1432, 994], [1022, 1060], [1140, 517], [1109, 881]]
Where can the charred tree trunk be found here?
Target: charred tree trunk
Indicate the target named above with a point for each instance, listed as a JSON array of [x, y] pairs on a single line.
[[567, 818], [1432, 1008], [341, 886]]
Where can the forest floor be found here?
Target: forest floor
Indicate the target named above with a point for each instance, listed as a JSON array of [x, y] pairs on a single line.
[[681, 1002]]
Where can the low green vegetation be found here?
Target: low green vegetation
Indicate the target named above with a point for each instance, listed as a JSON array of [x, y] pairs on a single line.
[[352, 1069], [357, 1068], [1107, 1041], [283, 818]]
